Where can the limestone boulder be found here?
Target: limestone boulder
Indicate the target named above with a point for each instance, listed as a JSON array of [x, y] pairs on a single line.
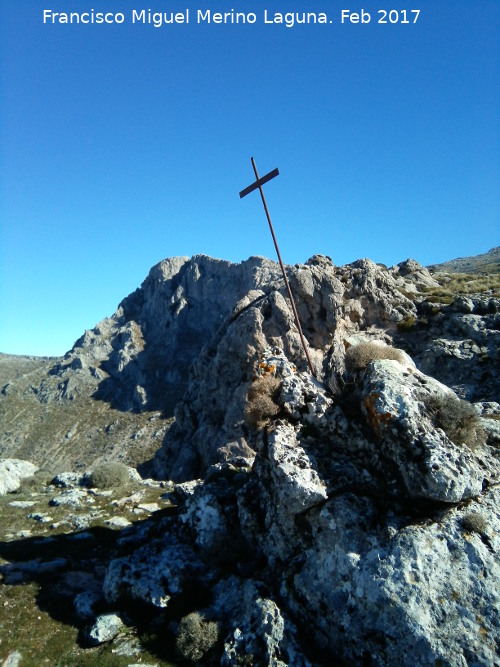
[[397, 406], [12, 471]]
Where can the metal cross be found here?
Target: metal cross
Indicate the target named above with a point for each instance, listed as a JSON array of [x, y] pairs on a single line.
[[258, 184]]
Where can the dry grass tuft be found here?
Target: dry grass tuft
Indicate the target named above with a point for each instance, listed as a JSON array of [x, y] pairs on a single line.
[[474, 523], [458, 419], [262, 401], [359, 356]]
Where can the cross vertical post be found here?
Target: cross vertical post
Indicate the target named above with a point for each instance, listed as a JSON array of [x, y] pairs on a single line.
[[258, 185]]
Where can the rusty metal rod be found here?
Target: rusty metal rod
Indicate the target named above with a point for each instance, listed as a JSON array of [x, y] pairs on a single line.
[[294, 309]]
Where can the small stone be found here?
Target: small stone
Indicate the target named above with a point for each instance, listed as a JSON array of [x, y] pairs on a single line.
[[70, 480], [129, 500], [40, 517], [22, 504], [105, 628], [73, 498], [117, 522], [128, 648], [148, 507], [23, 533]]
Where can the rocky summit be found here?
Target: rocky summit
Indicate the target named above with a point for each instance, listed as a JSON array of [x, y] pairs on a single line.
[[280, 518]]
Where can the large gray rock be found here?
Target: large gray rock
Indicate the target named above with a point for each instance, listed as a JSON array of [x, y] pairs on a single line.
[[257, 627], [395, 403], [400, 592], [296, 479], [154, 573], [12, 471]]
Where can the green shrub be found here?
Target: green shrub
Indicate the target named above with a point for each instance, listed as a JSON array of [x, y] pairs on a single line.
[[195, 637], [262, 401], [109, 476], [440, 298], [458, 419], [407, 323], [359, 356]]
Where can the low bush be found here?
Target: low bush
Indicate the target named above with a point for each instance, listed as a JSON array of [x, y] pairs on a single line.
[[359, 356], [406, 324], [262, 401], [458, 419], [109, 476], [474, 523], [195, 637], [36, 482]]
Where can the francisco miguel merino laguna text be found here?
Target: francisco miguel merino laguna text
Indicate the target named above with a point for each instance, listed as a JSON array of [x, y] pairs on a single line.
[[157, 19]]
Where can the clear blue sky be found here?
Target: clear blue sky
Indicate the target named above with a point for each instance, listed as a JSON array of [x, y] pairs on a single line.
[[121, 145]]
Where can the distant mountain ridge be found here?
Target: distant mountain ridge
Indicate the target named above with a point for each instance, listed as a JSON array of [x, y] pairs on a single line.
[[488, 262]]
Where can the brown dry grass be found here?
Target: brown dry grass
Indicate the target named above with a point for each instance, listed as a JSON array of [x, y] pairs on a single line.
[[359, 356], [262, 405], [458, 419]]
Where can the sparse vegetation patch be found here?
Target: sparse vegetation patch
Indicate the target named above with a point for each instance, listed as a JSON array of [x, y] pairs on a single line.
[[462, 283], [36, 482], [458, 419]]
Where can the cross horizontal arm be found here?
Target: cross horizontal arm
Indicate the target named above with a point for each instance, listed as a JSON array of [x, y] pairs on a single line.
[[259, 182]]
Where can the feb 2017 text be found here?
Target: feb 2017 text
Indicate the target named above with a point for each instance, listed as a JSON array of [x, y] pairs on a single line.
[[207, 16]]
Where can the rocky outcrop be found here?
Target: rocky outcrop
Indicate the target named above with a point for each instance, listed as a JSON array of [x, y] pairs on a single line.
[[332, 303], [139, 358], [361, 534], [337, 306], [346, 518], [458, 344], [122, 380]]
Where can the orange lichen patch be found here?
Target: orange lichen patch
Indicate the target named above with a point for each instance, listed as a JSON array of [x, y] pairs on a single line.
[[375, 418], [272, 362]]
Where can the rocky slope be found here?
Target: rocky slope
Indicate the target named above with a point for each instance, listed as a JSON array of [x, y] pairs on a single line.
[[350, 518], [488, 262]]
